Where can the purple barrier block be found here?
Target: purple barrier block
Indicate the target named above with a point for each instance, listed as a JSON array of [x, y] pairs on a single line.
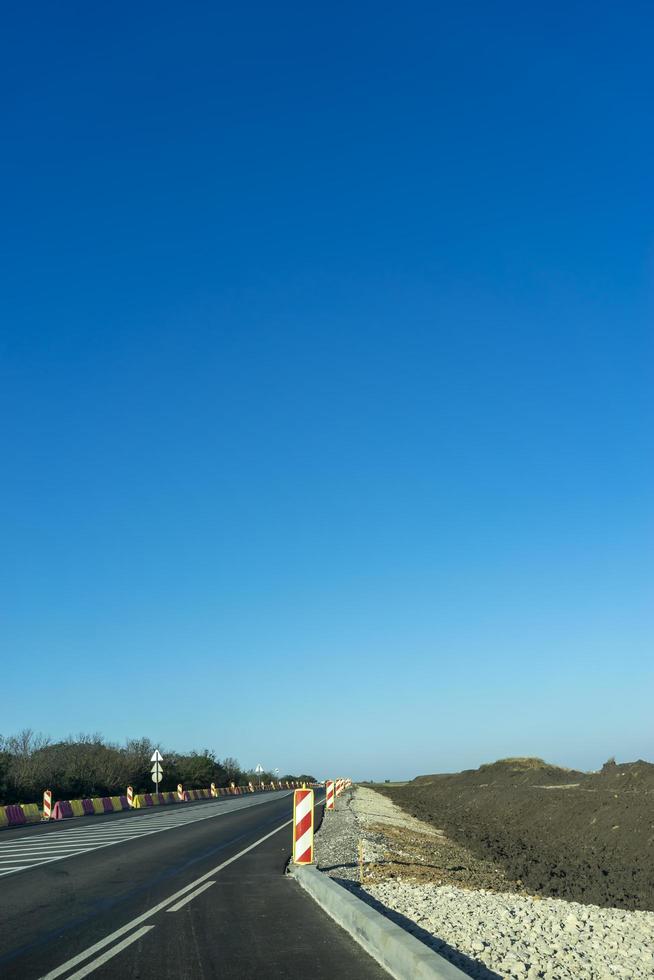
[[62, 810], [161, 797], [123, 802], [87, 806], [148, 799], [15, 815], [107, 805]]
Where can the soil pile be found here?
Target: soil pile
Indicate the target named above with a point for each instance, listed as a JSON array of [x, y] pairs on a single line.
[[585, 837]]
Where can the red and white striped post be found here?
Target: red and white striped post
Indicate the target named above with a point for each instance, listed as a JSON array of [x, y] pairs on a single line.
[[251, 787], [303, 826], [47, 804], [130, 796], [214, 791], [329, 794], [180, 791]]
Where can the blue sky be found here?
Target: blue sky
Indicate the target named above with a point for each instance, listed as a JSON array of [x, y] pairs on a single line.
[[326, 381]]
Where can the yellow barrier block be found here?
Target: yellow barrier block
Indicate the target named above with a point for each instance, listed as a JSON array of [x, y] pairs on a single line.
[[32, 812], [117, 805], [3, 817], [139, 801], [155, 799], [77, 808], [97, 805]]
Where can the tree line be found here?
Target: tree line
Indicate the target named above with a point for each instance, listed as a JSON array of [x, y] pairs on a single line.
[[88, 765]]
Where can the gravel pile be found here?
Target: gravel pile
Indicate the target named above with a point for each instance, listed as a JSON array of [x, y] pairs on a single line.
[[516, 936], [487, 934]]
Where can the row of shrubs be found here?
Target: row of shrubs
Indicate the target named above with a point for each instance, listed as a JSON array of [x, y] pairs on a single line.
[[87, 766]]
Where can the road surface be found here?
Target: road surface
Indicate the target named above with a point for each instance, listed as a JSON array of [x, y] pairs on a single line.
[[191, 891]]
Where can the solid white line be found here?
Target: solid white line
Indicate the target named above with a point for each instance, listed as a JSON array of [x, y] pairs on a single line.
[[31, 848], [90, 967], [69, 964], [35, 855], [189, 898]]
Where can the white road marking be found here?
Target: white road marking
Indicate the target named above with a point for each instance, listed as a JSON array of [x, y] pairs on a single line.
[[90, 967], [192, 888], [69, 964], [189, 898]]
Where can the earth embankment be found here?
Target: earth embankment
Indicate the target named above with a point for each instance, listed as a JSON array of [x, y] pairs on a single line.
[[585, 837]]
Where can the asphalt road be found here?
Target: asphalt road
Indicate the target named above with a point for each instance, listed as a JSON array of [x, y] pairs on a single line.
[[195, 891]]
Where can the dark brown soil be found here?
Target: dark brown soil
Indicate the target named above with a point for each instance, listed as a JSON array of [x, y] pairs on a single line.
[[586, 837]]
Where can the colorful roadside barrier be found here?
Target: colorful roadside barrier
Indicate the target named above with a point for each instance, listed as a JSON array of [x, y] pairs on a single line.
[[15, 815]]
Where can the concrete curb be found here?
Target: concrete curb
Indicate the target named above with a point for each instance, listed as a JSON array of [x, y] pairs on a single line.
[[400, 953]]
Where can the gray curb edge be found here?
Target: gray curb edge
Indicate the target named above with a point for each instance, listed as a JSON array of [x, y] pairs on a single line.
[[400, 953]]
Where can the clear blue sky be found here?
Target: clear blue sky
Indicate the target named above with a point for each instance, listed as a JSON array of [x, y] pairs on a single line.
[[326, 380]]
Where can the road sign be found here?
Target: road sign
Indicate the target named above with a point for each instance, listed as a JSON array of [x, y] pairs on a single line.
[[259, 768], [157, 771]]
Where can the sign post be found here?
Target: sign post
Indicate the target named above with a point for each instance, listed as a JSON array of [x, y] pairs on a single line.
[[259, 770], [157, 771]]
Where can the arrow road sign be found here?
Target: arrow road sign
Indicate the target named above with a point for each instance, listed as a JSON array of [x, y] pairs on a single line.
[[259, 768], [157, 771]]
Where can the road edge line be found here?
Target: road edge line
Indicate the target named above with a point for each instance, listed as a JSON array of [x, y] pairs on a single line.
[[397, 951]]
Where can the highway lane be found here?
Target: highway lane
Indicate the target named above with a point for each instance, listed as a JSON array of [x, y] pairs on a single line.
[[204, 896]]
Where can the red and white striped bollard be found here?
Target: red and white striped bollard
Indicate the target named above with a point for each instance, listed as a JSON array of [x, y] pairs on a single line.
[[47, 804], [303, 826]]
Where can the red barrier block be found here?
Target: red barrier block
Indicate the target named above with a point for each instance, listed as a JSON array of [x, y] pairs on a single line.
[[62, 810]]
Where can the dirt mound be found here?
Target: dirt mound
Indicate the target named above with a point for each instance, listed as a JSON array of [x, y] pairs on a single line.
[[587, 837], [530, 771]]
